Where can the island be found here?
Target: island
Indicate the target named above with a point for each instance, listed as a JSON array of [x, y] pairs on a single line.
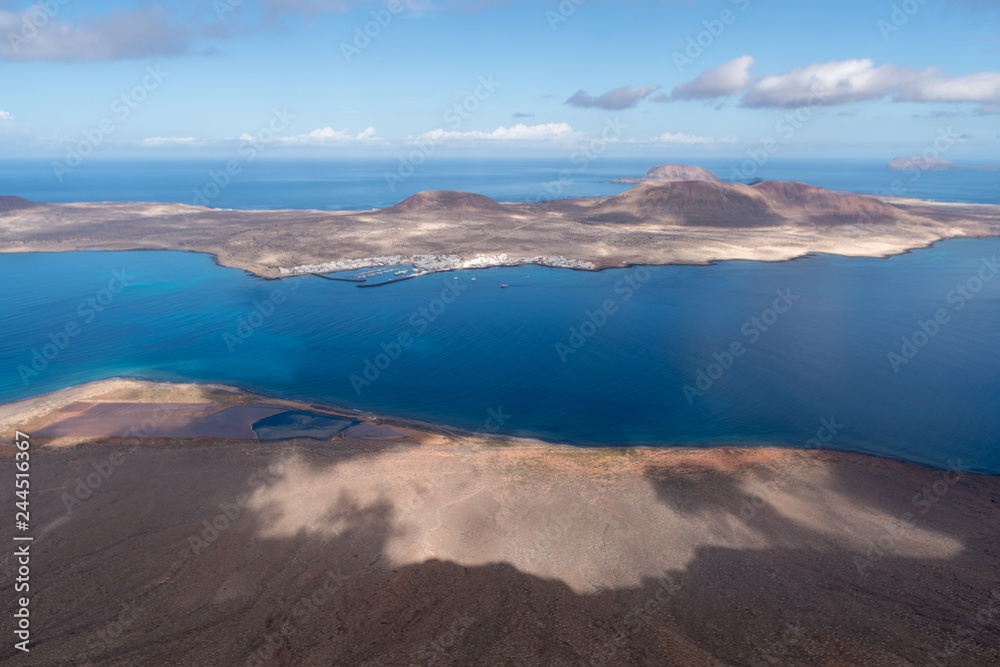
[[672, 172], [654, 222], [933, 164]]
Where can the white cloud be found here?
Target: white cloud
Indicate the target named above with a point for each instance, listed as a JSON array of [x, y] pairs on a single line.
[[613, 100], [324, 136], [726, 79], [691, 139], [843, 82], [519, 132], [170, 141], [935, 87], [6, 119], [316, 7], [121, 34], [829, 84]]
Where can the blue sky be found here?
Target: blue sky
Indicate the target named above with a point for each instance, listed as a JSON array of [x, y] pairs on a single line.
[[865, 78]]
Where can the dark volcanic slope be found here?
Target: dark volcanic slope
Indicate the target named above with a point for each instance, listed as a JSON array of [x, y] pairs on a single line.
[[357, 553], [448, 201], [690, 203], [705, 203], [9, 203], [825, 206]]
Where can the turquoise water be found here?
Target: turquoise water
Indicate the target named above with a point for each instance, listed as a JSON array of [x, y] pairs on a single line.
[[472, 355]]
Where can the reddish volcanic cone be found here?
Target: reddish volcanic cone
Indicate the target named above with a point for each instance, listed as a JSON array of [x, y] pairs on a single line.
[[448, 201], [825, 206], [716, 204], [10, 203]]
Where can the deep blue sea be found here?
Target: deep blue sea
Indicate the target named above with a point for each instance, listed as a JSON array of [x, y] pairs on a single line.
[[897, 357], [360, 184]]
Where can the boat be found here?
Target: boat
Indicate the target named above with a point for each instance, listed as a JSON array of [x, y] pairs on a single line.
[[473, 276], [503, 285]]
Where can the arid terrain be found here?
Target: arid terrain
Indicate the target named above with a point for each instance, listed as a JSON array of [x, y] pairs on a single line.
[[442, 549], [655, 222]]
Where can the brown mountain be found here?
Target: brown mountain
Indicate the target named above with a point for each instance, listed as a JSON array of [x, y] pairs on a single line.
[[447, 201], [716, 204], [672, 172], [823, 206], [10, 203]]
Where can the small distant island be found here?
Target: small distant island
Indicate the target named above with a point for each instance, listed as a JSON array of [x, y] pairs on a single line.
[[672, 172], [933, 164]]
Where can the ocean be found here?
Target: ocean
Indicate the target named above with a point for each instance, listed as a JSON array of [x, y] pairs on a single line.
[[895, 357], [739, 352], [363, 184]]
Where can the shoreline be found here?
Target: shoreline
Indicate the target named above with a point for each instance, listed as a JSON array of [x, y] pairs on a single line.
[[34, 408], [176, 538], [596, 269], [558, 233]]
